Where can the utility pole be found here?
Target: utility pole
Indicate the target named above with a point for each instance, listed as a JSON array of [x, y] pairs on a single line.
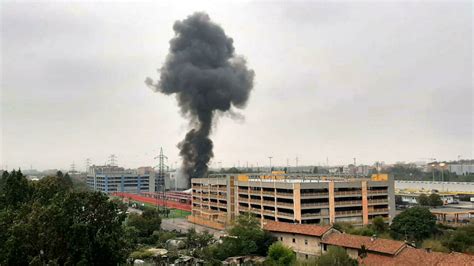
[[296, 162]]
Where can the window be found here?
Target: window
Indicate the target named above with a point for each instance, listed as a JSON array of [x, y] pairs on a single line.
[[306, 241], [281, 238], [325, 248], [294, 240]]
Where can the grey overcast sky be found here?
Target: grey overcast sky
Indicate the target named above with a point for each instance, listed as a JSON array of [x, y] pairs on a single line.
[[389, 81]]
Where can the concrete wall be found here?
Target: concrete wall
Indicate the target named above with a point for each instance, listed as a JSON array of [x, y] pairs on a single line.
[[440, 186]]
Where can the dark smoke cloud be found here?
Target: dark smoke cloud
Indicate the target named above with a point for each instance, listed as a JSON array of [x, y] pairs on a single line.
[[206, 76]]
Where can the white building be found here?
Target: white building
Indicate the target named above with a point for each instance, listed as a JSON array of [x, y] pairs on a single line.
[[461, 169]]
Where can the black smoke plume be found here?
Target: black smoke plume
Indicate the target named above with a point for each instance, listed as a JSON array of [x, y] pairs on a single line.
[[206, 76]]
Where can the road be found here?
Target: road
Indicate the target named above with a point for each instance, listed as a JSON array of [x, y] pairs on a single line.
[[182, 225]]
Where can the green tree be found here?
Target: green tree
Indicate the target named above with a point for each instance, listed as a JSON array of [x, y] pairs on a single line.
[[279, 254], [245, 238], [335, 256], [50, 224], [423, 200], [14, 189], [462, 239], [435, 200], [146, 223], [379, 225], [198, 240], [416, 223]]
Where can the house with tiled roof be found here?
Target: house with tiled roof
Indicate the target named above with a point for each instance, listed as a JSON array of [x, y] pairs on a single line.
[[420, 257], [309, 241], [304, 239], [391, 252], [353, 244]]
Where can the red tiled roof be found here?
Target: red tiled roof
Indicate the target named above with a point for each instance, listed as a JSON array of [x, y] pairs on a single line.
[[412, 256], [354, 241], [303, 229]]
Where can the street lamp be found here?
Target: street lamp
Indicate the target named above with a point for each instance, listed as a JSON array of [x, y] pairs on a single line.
[[432, 170], [442, 170]]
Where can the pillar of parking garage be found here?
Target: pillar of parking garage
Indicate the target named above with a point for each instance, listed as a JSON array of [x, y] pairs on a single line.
[[297, 202], [332, 210], [365, 209]]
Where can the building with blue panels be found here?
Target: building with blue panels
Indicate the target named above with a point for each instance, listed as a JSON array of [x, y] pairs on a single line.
[[109, 179]]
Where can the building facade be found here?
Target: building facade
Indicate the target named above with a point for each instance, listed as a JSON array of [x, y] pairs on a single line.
[[217, 200], [461, 169], [303, 239], [109, 179]]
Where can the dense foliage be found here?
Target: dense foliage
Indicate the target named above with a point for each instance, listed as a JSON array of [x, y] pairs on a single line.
[[461, 240], [46, 222], [145, 224], [378, 227], [245, 237], [414, 224], [280, 255], [335, 256], [412, 172], [433, 200]]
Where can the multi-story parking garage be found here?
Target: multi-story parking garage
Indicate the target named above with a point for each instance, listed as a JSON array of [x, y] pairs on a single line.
[[294, 199]]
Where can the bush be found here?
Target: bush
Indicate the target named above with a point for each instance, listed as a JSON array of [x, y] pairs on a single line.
[[434, 245], [279, 254], [461, 240], [416, 223], [335, 256]]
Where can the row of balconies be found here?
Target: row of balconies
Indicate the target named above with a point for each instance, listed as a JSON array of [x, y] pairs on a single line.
[[378, 201], [379, 191], [266, 202], [379, 210], [265, 211], [314, 194], [348, 202]]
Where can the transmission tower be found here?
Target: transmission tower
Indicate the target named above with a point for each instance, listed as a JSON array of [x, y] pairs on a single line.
[[73, 167], [88, 164], [160, 187], [113, 160]]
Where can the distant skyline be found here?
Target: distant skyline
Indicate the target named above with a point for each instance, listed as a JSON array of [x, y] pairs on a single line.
[[380, 81]]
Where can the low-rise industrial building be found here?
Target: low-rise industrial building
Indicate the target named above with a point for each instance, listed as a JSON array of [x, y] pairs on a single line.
[[110, 179], [461, 169], [412, 198], [297, 199]]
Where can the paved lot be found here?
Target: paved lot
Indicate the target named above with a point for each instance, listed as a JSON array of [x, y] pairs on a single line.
[[182, 225]]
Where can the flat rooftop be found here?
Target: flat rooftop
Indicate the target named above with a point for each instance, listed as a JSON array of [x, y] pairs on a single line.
[[451, 210]]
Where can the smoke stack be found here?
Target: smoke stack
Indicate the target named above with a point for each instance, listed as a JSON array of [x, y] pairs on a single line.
[[206, 76]]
